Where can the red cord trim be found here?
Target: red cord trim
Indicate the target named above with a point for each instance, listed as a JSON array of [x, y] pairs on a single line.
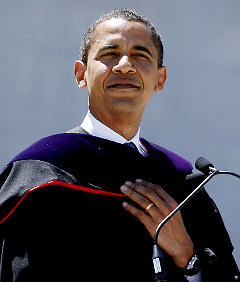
[[63, 184]]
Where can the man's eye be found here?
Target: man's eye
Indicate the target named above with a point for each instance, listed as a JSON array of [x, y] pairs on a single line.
[[141, 55], [109, 54]]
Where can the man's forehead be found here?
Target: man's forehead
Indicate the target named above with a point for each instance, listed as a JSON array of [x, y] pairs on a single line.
[[121, 25], [115, 29]]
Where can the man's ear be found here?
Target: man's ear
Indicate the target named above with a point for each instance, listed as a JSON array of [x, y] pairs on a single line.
[[162, 76], [79, 70]]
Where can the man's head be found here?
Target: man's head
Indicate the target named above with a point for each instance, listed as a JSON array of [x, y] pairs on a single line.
[[121, 69], [124, 14]]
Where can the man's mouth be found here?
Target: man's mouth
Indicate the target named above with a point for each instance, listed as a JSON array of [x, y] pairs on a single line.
[[123, 86]]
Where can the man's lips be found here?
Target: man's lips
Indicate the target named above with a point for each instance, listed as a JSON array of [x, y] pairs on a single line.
[[123, 86]]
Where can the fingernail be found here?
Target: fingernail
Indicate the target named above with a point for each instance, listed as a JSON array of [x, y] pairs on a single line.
[[125, 204], [129, 183], [139, 180], [124, 188]]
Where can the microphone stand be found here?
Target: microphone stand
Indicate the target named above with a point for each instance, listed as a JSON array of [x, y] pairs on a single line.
[[157, 257]]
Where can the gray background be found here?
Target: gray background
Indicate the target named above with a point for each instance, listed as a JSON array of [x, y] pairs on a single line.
[[197, 114]]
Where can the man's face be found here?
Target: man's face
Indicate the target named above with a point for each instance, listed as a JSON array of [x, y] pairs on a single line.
[[122, 69]]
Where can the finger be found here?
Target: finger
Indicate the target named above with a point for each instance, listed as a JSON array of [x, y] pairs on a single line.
[[139, 214], [157, 188], [159, 191], [162, 200], [148, 193], [135, 196], [150, 206]]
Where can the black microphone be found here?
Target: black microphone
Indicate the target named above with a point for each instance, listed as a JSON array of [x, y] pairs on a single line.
[[208, 171], [203, 165]]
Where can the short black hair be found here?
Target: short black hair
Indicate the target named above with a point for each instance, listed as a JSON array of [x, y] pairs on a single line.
[[125, 14]]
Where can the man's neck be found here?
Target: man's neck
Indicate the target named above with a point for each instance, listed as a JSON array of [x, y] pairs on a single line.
[[125, 125]]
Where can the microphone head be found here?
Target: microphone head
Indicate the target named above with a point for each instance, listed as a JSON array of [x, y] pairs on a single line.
[[203, 165]]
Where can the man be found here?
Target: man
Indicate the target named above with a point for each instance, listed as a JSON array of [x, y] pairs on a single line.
[[61, 201]]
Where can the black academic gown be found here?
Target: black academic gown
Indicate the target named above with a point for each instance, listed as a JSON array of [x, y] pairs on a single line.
[[61, 214]]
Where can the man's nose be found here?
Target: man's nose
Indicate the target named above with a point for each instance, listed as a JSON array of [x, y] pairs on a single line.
[[124, 66]]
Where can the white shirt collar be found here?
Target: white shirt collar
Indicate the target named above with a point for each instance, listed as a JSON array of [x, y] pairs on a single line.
[[96, 128]]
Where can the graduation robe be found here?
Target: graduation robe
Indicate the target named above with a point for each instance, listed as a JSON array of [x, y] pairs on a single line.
[[61, 214]]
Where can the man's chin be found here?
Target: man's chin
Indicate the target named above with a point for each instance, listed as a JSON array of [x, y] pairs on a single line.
[[124, 104]]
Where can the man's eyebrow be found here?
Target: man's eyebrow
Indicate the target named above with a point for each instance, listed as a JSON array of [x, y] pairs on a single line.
[[142, 48], [116, 46], [108, 47]]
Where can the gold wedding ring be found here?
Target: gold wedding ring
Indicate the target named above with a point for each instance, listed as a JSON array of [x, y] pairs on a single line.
[[149, 207]]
